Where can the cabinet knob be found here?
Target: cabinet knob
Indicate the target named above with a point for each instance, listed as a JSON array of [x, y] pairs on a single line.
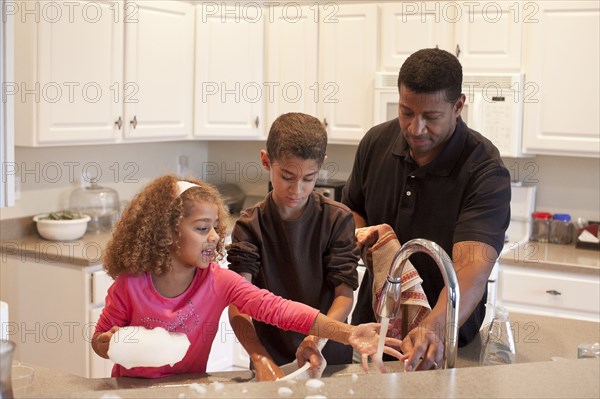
[[134, 122], [457, 51], [256, 122], [325, 123], [119, 123], [553, 292]]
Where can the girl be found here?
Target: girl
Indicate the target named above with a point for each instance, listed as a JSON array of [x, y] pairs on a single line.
[[162, 257]]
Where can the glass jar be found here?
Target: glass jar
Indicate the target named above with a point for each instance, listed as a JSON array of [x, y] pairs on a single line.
[[561, 229], [540, 226], [100, 203]]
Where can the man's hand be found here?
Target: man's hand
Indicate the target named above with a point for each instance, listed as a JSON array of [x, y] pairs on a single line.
[[424, 348]]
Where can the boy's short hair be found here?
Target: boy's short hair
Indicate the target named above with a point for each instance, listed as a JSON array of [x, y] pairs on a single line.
[[298, 135], [430, 70]]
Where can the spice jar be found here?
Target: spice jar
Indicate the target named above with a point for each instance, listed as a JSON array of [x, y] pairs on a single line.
[[540, 226], [561, 229]]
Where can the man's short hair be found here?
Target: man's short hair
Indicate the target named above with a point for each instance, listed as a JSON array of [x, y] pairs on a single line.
[[431, 70], [298, 135]]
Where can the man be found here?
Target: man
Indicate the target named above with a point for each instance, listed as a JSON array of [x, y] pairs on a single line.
[[429, 176]]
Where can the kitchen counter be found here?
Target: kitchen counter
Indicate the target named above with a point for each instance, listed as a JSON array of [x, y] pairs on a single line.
[[553, 257], [538, 339], [568, 378], [87, 251]]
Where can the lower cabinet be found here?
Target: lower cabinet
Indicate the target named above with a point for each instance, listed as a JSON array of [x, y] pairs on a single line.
[[53, 310], [549, 293]]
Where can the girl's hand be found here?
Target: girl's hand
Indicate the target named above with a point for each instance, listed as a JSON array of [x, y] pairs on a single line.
[[101, 342], [265, 368], [365, 338]]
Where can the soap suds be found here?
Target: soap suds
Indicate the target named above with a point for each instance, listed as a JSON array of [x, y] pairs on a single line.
[[198, 388], [351, 391], [354, 377], [181, 396], [135, 346], [314, 383], [284, 391], [218, 386]]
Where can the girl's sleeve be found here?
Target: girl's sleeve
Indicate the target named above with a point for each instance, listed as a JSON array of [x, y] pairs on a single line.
[[115, 312], [263, 305]]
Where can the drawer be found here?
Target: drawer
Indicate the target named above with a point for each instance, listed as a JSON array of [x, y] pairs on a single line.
[[100, 284], [555, 291]]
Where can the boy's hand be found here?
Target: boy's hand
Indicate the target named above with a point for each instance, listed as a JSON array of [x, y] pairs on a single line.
[[265, 368], [364, 338], [309, 350], [101, 342]]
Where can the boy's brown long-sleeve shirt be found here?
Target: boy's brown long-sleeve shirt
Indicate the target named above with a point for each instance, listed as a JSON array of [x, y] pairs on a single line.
[[302, 260]]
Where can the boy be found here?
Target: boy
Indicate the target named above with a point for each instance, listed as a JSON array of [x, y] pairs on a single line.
[[297, 244]]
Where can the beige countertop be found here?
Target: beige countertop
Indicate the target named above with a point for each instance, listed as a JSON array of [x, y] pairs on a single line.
[[553, 257], [538, 340]]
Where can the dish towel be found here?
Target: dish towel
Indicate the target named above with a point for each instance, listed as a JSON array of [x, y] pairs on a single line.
[[378, 246]]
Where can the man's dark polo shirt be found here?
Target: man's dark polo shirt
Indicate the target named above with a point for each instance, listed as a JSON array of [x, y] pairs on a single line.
[[462, 195]]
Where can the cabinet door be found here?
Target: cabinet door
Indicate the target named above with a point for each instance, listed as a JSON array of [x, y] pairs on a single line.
[[407, 27], [99, 367], [562, 93], [347, 64], [488, 35], [159, 72], [292, 44], [229, 74], [79, 74]]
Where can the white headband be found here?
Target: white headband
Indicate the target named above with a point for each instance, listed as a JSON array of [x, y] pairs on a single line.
[[184, 185]]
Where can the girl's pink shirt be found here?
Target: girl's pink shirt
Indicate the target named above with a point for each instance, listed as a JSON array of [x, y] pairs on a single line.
[[133, 301]]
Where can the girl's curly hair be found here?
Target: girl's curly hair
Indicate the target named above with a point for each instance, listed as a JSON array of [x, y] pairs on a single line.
[[149, 228]]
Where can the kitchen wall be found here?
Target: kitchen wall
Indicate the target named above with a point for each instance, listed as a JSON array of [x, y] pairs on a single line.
[[47, 176], [565, 184]]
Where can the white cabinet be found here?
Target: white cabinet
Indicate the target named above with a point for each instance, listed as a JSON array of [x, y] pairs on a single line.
[[486, 35], [323, 60], [558, 294], [229, 89], [100, 71], [159, 59], [291, 63], [561, 62], [52, 311]]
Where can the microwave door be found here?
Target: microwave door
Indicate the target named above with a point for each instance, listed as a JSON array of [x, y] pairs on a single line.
[[472, 112]]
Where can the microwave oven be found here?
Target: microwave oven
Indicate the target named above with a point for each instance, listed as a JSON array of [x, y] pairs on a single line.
[[493, 106]]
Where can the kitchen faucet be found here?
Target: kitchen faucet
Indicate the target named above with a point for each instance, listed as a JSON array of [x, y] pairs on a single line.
[[389, 300]]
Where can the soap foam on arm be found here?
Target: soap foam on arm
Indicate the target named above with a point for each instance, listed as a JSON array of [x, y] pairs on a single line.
[[136, 346]]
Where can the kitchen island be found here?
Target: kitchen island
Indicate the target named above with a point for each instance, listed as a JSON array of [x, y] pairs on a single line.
[[547, 366]]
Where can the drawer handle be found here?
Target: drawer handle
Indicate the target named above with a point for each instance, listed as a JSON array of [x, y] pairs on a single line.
[[553, 292]]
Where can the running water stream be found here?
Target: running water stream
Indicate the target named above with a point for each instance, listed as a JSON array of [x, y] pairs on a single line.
[[382, 333]]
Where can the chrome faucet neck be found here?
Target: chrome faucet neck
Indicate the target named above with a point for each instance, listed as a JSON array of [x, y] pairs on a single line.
[[389, 301]]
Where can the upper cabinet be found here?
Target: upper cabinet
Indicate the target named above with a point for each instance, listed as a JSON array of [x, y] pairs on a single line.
[[561, 61], [158, 90], [229, 87], [322, 60], [99, 72], [486, 36]]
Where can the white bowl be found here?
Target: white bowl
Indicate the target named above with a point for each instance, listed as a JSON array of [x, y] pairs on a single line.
[[61, 230]]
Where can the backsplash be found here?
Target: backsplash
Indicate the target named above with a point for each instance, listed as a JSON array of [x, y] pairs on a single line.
[[564, 184], [47, 176]]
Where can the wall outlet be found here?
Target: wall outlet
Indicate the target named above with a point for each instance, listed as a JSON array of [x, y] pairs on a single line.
[[183, 165]]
